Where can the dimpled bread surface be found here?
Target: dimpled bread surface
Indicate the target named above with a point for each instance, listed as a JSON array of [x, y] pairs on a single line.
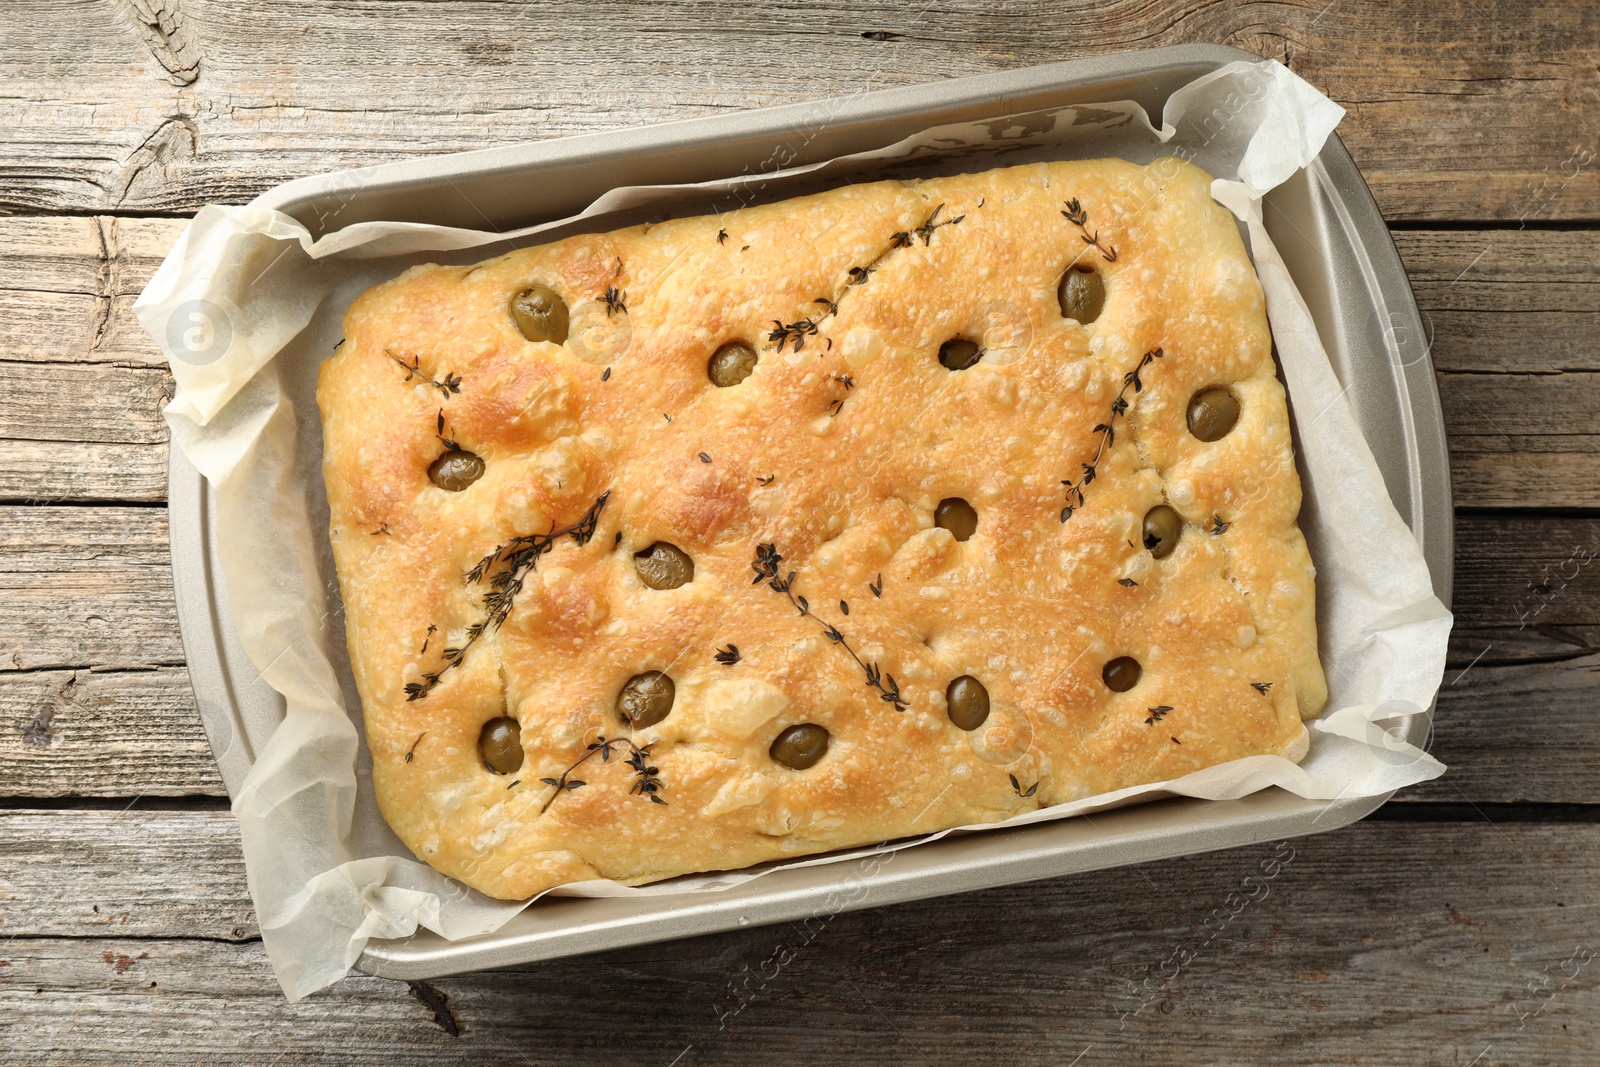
[[835, 451]]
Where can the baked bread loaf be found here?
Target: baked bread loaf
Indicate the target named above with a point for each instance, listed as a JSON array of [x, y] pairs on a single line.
[[897, 507]]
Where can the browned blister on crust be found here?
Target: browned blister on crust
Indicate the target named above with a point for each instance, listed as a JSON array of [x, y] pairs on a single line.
[[835, 453]]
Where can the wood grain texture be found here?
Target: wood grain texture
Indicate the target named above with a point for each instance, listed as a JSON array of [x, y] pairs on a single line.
[[112, 733], [1456, 110], [1386, 942], [85, 383], [87, 873], [128, 935], [92, 610], [1512, 317], [86, 587]]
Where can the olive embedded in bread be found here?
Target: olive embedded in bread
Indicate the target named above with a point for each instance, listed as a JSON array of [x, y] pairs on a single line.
[[731, 364], [957, 516], [663, 566], [1162, 528], [455, 470], [1082, 294], [1121, 674], [800, 746], [958, 353], [500, 745], [967, 702], [1212, 413], [646, 699], [541, 314]]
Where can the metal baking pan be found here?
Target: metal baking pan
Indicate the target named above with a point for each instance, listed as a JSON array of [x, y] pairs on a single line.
[[1324, 222]]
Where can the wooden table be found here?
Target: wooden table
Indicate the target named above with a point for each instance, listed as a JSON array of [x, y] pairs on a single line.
[[1456, 926]]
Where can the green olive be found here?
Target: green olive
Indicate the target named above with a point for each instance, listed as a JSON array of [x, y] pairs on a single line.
[[1082, 294], [967, 702], [500, 745], [455, 470], [663, 566], [541, 314], [646, 699], [731, 364], [1162, 527], [1121, 674], [958, 353], [800, 746], [957, 516], [1212, 412]]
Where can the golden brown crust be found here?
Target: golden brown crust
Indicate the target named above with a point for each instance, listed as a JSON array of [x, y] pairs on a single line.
[[837, 454]]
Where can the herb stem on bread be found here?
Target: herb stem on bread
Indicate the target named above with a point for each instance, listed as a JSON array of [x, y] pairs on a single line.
[[507, 568], [647, 780], [796, 332], [1076, 215], [766, 568], [1108, 434], [449, 386]]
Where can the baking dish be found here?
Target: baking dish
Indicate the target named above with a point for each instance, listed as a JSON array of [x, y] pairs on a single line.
[[1332, 238]]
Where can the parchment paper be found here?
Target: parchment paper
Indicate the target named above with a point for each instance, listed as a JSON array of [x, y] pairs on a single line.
[[247, 305]]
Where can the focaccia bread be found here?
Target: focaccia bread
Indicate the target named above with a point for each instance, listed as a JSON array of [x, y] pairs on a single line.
[[893, 508]]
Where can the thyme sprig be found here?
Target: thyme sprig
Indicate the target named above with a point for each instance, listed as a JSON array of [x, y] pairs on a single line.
[[728, 656], [449, 386], [1076, 215], [439, 433], [1157, 714], [614, 298], [412, 751], [1108, 434], [766, 568], [795, 333], [647, 779], [516, 559], [1016, 787], [1261, 687]]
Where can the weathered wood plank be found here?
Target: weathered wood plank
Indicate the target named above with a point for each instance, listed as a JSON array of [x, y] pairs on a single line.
[[88, 873], [1512, 332], [1512, 316], [1522, 732], [91, 588], [84, 382], [1455, 110], [1384, 942], [86, 587], [1521, 571], [103, 733], [136, 733], [1506, 300]]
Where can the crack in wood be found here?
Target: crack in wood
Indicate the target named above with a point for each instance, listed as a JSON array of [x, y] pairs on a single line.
[[171, 142], [437, 1003], [105, 279], [165, 30]]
